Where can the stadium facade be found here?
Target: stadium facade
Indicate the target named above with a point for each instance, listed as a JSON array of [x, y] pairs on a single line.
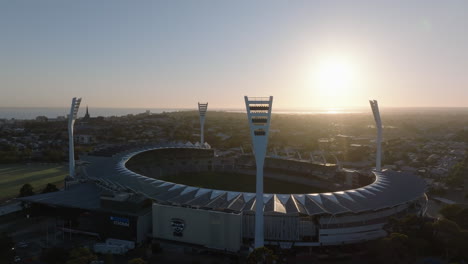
[[225, 219]]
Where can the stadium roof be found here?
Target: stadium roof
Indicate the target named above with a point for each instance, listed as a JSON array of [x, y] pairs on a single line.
[[83, 196], [390, 189]]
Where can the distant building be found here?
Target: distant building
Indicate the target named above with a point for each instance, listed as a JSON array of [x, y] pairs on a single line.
[[87, 117], [324, 143], [42, 119], [343, 141], [85, 139]]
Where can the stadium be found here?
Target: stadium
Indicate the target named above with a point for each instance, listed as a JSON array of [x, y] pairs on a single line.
[[124, 191]]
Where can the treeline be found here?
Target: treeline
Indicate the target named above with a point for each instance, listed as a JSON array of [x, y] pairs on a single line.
[[413, 238], [10, 154], [28, 190], [14, 155], [458, 173], [462, 135]]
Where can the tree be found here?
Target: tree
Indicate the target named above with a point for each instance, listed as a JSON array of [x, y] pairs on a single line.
[[398, 245], [54, 255], [451, 211], [50, 188], [419, 246], [410, 236], [462, 218], [156, 247], [137, 261], [109, 259], [81, 255], [410, 225], [54, 155], [26, 190], [261, 255], [456, 213], [452, 238], [457, 173], [392, 249], [6, 252]]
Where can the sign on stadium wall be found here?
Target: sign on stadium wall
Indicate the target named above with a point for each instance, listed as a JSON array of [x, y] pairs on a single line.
[[120, 221], [178, 226]]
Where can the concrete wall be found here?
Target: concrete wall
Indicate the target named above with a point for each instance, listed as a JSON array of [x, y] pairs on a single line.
[[280, 227], [144, 226], [337, 236], [201, 227]]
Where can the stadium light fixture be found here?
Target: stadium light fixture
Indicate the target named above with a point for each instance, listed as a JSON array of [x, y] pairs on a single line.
[[259, 116], [202, 108], [71, 121], [378, 124]]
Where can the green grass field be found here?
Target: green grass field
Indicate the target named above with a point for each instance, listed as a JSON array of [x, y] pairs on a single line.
[[238, 182], [13, 176]]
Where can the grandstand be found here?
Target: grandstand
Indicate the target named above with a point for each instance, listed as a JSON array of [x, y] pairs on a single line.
[[312, 219]]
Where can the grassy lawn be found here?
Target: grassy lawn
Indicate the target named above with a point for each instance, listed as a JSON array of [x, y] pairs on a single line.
[[13, 176], [238, 182]]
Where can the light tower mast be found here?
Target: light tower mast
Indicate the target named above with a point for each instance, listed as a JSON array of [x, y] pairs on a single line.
[[71, 121], [378, 124], [202, 110], [259, 116]]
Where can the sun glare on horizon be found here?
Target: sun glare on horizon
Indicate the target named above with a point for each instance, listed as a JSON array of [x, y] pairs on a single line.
[[335, 80], [335, 76]]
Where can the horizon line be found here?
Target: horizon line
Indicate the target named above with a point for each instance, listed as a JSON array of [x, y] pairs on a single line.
[[231, 108]]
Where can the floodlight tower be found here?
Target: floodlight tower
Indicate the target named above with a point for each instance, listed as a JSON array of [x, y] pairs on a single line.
[[202, 110], [378, 124], [71, 121], [259, 115]]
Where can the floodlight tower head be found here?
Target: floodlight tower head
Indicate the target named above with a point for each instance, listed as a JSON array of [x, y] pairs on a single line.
[[375, 110], [71, 121], [202, 108], [259, 116], [378, 124]]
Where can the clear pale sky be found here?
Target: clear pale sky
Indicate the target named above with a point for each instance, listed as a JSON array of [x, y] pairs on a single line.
[[158, 54]]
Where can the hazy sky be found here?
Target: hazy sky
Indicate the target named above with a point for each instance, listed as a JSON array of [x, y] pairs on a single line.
[[157, 54]]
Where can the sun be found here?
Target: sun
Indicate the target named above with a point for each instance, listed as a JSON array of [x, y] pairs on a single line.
[[334, 77]]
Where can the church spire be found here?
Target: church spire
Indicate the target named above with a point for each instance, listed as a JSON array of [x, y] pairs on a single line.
[[86, 117]]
